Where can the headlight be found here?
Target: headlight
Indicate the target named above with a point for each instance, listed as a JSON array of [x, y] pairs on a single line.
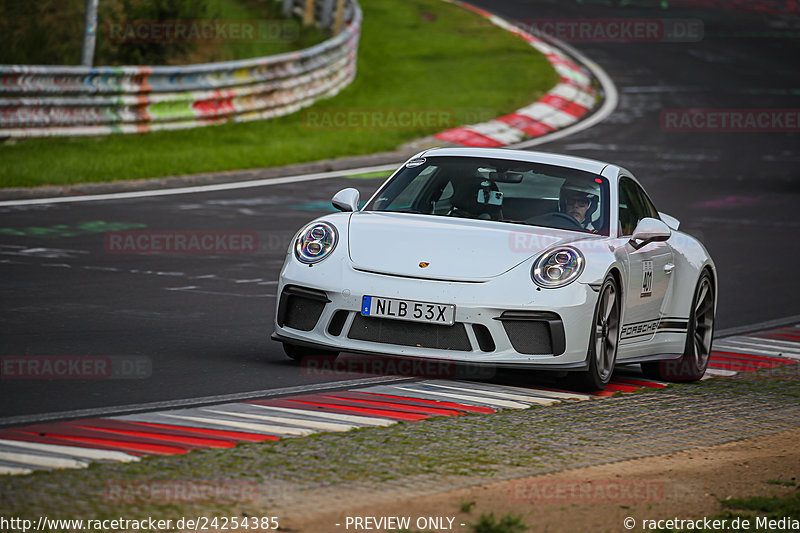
[[315, 242], [558, 267]]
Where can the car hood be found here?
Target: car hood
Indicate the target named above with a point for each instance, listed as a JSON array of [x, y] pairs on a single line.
[[454, 248]]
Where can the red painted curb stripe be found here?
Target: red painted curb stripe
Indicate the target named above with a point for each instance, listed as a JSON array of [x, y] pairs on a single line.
[[236, 435], [393, 405], [468, 137], [334, 400], [562, 104], [532, 127], [122, 445], [70, 430], [26, 437], [463, 407], [559, 60], [124, 425], [603, 393], [640, 382], [740, 361], [176, 439], [621, 388], [728, 366], [569, 81], [362, 410]]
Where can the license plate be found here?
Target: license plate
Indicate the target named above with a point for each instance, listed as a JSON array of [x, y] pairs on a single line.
[[442, 314]]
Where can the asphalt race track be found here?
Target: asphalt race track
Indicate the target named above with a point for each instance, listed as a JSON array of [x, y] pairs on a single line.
[[202, 322]]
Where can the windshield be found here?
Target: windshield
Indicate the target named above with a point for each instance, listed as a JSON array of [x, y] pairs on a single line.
[[501, 190]]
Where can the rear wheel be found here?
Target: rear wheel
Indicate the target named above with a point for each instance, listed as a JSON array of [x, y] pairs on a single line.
[[298, 353], [697, 351], [604, 339]]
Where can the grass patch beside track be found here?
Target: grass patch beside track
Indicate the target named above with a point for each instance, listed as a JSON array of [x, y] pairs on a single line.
[[414, 55], [441, 451]]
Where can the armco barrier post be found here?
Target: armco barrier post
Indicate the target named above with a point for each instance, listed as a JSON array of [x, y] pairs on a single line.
[[89, 33], [339, 18], [308, 17]]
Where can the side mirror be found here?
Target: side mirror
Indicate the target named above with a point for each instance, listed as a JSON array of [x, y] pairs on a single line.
[[346, 200], [649, 230], [671, 221]]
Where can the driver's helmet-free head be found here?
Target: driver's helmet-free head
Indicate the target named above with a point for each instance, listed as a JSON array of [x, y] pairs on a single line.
[[572, 189]]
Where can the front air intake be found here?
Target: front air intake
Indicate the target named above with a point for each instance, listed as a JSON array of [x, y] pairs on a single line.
[[300, 307]]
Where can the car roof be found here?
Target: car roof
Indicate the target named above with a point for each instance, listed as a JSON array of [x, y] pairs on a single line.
[[580, 163]]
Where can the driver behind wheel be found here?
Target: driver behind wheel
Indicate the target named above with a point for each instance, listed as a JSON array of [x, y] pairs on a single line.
[[579, 201]]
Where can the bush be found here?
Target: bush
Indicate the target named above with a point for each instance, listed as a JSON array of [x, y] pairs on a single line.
[[50, 32]]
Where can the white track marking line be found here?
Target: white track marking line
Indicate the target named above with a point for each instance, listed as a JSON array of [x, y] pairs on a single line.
[[41, 460], [720, 372], [12, 471], [366, 420], [742, 350], [753, 350], [769, 343], [204, 188], [545, 393], [75, 451], [494, 402], [780, 342], [528, 398], [259, 428], [324, 426]]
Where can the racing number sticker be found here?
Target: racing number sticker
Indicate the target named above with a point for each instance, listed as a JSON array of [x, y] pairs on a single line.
[[647, 279]]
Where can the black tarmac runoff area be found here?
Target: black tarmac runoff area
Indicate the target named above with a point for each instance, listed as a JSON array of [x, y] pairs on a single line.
[[199, 323]]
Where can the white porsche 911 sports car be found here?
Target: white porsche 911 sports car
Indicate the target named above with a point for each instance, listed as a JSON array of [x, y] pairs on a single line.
[[505, 258]]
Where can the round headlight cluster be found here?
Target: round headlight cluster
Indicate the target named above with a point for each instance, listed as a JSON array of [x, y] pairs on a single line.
[[315, 242], [558, 267]]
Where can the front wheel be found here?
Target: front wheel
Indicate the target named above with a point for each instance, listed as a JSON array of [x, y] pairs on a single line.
[[298, 353], [697, 350], [604, 339]]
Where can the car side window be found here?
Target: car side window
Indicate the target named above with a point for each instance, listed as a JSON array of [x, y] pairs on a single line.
[[634, 205], [405, 200]]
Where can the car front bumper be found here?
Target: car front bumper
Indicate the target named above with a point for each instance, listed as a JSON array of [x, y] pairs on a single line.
[[324, 305]]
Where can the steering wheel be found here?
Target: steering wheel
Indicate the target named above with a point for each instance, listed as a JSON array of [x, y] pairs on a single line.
[[559, 221]]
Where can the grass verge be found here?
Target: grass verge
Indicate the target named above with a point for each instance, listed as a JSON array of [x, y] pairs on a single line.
[[414, 55]]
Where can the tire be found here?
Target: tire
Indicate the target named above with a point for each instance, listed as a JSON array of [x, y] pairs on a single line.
[[697, 350], [603, 338], [298, 353]]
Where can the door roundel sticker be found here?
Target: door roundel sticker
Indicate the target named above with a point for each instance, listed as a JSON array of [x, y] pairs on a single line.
[[647, 279]]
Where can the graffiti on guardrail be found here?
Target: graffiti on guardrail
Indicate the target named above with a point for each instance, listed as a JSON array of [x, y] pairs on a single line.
[[37, 101]]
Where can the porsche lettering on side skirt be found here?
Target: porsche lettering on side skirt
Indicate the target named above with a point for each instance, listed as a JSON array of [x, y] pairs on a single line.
[[408, 310]]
